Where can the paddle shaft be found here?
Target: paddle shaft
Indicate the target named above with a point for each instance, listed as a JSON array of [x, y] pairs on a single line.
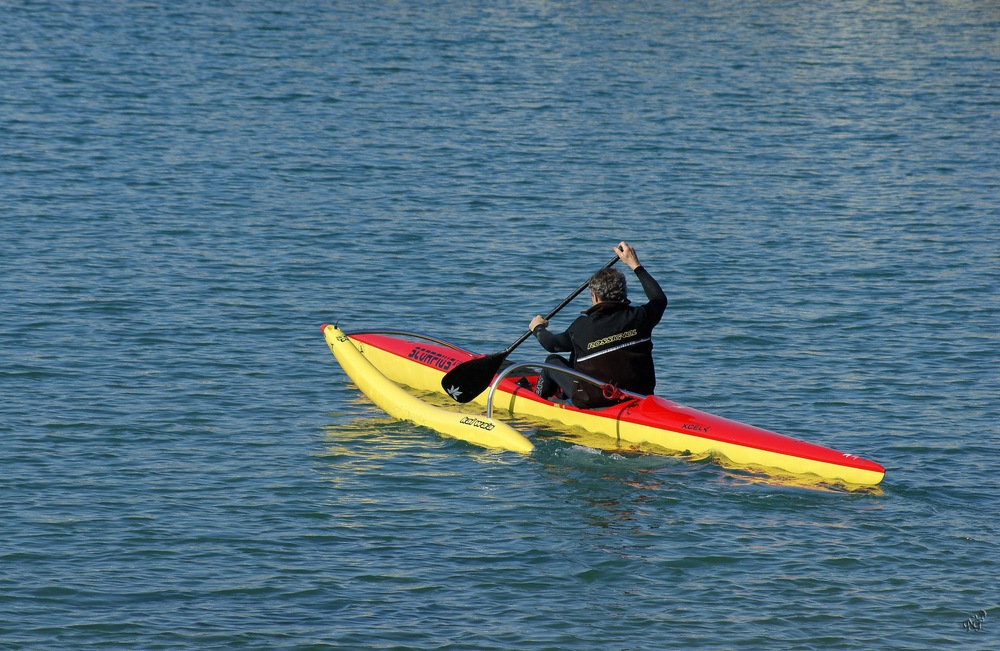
[[470, 378], [551, 314]]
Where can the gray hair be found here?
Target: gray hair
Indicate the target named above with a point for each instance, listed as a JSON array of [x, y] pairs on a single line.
[[609, 285]]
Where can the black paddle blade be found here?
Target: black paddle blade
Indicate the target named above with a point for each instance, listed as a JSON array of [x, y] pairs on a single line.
[[469, 379]]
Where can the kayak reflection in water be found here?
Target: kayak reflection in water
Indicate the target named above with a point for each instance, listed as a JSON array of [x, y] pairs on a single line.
[[611, 341]]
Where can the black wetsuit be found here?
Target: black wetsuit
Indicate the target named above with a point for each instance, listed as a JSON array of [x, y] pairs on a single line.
[[611, 342]]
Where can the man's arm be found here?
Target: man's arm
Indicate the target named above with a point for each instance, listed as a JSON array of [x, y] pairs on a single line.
[[554, 343], [657, 299], [654, 293]]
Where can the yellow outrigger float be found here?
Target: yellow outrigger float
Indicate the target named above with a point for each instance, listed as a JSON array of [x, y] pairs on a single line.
[[397, 402]]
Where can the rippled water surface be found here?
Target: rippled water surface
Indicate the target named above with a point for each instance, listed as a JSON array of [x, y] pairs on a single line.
[[188, 190]]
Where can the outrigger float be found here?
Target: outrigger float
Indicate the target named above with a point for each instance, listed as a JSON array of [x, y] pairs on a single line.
[[381, 363]]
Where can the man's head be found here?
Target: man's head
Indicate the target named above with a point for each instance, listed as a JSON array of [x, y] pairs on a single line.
[[609, 285]]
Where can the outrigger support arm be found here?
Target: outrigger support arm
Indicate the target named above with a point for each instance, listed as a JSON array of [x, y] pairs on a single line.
[[552, 367]]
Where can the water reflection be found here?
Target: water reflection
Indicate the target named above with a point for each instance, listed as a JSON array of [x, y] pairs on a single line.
[[726, 471], [376, 438]]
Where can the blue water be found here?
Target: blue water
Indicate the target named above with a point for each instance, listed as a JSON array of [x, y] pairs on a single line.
[[188, 190]]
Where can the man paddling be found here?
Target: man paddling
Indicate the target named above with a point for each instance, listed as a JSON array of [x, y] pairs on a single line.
[[611, 341]]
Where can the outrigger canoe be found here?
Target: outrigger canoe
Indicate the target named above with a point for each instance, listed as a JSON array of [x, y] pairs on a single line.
[[381, 363]]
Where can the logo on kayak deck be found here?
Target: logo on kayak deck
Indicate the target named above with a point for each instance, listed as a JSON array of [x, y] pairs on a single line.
[[431, 358], [475, 422]]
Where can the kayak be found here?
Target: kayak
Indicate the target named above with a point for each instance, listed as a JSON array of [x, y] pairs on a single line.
[[381, 363]]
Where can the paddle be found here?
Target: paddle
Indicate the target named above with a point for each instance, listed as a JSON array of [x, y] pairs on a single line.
[[469, 379]]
